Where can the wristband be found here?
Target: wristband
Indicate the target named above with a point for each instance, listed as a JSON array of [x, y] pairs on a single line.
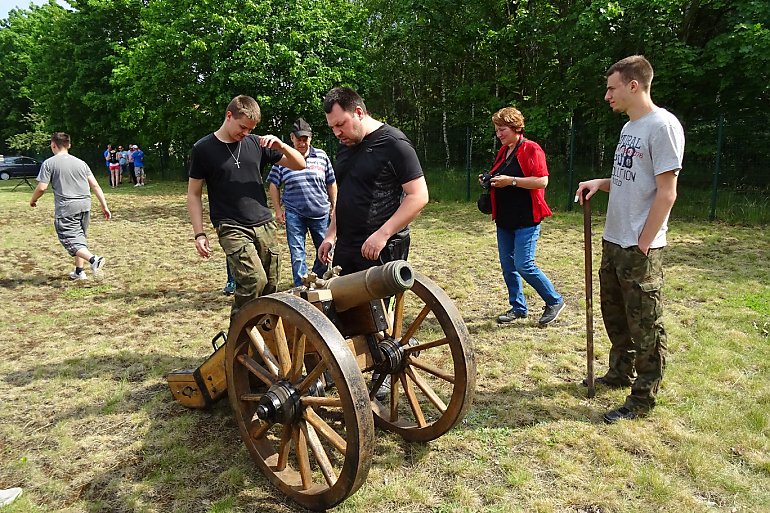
[[201, 234]]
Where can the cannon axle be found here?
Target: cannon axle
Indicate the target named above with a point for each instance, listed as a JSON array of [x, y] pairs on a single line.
[[394, 357], [280, 404]]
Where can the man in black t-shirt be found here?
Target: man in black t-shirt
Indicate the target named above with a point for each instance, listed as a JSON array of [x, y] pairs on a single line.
[[381, 187], [229, 162]]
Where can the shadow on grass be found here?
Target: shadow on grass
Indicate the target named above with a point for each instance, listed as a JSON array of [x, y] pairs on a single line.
[[182, 451], [516, 408]]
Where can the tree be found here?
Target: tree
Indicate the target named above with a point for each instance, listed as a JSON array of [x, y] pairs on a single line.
[[191, 58]]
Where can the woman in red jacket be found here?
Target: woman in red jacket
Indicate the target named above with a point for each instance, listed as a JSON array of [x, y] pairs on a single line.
[[519, 179]]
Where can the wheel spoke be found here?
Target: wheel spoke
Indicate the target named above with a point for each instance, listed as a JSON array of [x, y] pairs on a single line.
[[431, 369], [298, 355], [284, 447], [281, 346], [416, 323], [376, 385], [319, 452], [310, 400], [423, 345], [260, 346], [398, 318], [426, 389], [303, 458], [413, 403], [258, 430], [310, 378], [394, 384], [252, 366], [326, 430]]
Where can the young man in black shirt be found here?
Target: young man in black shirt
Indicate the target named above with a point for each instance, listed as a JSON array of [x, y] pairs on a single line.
[[381, 187], [229, 162]]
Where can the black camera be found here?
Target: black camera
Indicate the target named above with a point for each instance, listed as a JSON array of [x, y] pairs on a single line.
[[486, 181]]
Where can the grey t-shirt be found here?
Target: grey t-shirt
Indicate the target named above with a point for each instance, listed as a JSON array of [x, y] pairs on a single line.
[[648, 146], [68, 177]]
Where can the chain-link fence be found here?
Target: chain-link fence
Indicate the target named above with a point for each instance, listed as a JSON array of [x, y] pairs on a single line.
[[725, 174]]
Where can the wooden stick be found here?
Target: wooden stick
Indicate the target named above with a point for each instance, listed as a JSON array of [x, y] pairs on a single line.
[[589, 296]]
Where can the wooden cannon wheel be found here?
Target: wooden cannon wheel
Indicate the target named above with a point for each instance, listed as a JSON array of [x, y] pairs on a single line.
[[315, 447], [435, 388]]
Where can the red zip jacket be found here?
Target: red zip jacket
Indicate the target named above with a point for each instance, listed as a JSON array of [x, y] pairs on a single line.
[[531, 158]]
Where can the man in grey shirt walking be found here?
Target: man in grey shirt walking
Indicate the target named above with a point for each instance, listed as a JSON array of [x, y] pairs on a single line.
[[642, 190], [72, 183]]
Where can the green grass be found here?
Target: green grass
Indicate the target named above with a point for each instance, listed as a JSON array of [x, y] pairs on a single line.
[[87, 423]]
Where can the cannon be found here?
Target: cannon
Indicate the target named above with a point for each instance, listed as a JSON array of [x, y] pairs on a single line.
[[303, 369]]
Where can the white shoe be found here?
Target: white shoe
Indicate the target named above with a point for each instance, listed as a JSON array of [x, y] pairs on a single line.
[[137, 185], [78, 276], [96, 267], [9, 495]]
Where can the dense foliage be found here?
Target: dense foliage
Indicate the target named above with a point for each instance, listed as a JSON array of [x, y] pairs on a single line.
[[160, 71]]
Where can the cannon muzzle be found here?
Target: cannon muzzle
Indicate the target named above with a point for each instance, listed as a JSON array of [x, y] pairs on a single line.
[[373, 283]]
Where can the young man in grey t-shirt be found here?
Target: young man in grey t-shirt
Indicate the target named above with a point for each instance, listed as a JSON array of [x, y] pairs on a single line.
[[642, 190], [72, 182]]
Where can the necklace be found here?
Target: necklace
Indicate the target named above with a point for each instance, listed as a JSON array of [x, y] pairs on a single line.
[[236, 159]]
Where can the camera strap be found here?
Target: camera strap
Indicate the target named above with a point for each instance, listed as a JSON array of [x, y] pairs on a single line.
[[502, 159]]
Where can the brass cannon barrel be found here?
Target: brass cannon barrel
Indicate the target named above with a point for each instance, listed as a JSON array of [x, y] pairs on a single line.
[[373, 283]]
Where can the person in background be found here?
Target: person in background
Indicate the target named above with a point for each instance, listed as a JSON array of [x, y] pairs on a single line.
[[308, 199], [138, 155], [107, 161], [123, 160], [131, 148], [228, 161], [72, 182], [114, 164], [642, 192], [229, 288], [519, 177]]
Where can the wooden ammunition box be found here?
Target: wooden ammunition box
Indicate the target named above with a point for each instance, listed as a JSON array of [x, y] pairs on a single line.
[[203, 386]]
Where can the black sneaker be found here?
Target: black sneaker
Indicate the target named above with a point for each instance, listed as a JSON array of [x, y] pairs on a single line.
[[384, 389], [621, 413], [550, 313], [510, 316]]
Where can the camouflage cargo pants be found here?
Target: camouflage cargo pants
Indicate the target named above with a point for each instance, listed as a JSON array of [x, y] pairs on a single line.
[[252, 254], [631, 306]]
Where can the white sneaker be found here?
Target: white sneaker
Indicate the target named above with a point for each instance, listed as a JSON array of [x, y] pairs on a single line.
[[137, 185], [96, 267], [9, 495], [78, 276]]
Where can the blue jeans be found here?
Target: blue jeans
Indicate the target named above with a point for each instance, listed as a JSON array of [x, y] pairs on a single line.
[[296, 228], [516, 248]]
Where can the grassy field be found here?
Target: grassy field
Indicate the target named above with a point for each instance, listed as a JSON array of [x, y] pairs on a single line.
[[87, 423]]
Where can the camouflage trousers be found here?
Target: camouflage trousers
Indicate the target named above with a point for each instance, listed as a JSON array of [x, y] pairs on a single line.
[[253, 256], [630, 284]]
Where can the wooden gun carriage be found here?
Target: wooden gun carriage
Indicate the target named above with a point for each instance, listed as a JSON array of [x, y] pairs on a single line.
[[294, 367]]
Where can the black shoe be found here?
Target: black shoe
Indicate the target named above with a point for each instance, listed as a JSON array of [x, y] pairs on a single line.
[[601, 380], [550, 313], [384, 389], [621, 413], [510, 316]]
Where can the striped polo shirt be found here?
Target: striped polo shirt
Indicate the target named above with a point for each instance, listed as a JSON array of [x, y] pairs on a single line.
[[304, 191]]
